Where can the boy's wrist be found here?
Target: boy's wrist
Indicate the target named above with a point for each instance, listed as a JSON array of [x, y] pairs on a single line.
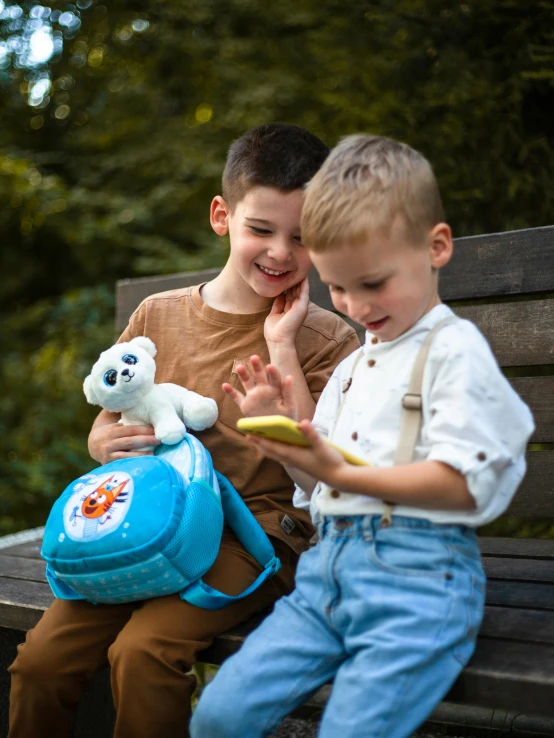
[[336, 476], [285, 344]]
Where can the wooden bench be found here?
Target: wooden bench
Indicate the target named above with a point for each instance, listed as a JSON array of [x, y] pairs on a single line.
[[504, 283]]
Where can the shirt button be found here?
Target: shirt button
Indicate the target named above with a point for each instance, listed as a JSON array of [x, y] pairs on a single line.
[[354, 436], [371, 362], [374, 340], [335, 494], [482, 456]]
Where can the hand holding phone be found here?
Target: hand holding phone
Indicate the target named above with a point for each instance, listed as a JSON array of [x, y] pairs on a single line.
[[281, 428]]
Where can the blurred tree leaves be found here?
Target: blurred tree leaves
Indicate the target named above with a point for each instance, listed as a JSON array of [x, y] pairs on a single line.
[[111, 150], [44, 419]]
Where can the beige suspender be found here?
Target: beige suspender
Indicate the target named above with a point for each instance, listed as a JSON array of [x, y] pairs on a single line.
[[411, 406], [411, 402]]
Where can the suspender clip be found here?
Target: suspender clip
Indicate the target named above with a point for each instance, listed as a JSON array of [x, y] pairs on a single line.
[[411, 402]]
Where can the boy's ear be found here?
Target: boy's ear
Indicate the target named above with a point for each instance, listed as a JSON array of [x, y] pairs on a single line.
[[441, 246], [88, 388], [219, 216], [145, 343]]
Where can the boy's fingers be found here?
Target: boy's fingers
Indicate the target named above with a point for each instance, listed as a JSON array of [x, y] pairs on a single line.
[[245, 377], [118, 430], [258, 371], [284, 453], [273, 376], [310, 432], [273, 449], [233, 393], [128, 454], [288, 394], [135, 442], [278, 304]]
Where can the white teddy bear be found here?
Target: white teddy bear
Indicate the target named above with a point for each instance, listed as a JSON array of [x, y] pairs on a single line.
[[122, 381]]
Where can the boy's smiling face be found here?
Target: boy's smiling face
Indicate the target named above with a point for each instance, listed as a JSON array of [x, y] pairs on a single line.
[[387, 283], [267, 256]]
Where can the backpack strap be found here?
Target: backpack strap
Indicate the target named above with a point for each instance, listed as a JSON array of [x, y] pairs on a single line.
[[254, 539], [60, 589]]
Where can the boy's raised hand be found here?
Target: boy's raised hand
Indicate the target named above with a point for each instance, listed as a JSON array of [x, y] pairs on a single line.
[[265, 392], [287, 314]]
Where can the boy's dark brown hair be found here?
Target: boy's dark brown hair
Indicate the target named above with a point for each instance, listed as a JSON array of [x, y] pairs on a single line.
[[275, 155]]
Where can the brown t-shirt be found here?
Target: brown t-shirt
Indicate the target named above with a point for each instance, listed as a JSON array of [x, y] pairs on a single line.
[[199, 347]]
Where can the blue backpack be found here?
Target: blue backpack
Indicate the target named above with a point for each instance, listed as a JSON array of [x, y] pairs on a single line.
[[149, 526]]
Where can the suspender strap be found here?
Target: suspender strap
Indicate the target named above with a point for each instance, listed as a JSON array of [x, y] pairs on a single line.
[[412, 408], [412, 403]]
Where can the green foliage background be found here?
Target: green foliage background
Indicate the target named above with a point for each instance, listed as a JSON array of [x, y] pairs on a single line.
[[111, 174]]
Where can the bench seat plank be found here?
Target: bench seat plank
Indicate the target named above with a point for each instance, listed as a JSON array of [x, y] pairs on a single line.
[[507, 593], [520, 594], [513, 667], [529, 626], [524, 570], [17, 567], [505, 673], [30, 550], [536, 548], [509, 675], [22, 602]]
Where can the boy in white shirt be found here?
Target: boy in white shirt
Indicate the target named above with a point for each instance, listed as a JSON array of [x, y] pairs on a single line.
[[390, 600]]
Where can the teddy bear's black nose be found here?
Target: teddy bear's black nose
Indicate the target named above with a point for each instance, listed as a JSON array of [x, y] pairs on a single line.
[[125, 373]]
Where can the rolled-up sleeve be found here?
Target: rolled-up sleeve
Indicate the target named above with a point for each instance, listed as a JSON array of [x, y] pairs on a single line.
[[473, 420]]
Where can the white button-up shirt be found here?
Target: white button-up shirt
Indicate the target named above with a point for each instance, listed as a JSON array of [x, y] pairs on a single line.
[[472, 419]]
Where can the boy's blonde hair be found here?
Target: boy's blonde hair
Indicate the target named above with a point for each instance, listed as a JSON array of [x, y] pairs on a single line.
[[365, 183]]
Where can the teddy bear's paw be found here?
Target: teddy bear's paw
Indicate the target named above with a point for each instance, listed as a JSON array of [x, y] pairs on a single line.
[[170, 433], [201, 414]]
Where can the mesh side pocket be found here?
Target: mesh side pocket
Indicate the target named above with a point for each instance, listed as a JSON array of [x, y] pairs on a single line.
[[195, 544]]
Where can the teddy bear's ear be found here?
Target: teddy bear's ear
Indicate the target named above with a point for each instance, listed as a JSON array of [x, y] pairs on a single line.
[[89, 391], [145, 343]]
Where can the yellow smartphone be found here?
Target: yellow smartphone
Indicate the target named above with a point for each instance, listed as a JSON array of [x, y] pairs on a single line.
[[281, 428]]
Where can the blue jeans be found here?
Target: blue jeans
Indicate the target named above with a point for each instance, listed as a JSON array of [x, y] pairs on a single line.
[[391, 613]]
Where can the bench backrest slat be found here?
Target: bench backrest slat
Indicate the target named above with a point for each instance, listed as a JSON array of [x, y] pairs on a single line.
[[501, 282], [535, 497], [520, 333], [131, 292], [538, 393], [510, 263]]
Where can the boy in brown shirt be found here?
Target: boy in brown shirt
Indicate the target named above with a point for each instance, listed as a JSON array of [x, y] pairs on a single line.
[[257, 305]]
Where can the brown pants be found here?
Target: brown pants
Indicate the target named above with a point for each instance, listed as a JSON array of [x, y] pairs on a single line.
[[151, 647]]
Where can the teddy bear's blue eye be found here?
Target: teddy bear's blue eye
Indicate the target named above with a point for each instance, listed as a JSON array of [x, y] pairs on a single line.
[[110, 377], [130, 359]]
